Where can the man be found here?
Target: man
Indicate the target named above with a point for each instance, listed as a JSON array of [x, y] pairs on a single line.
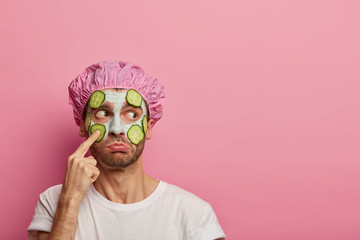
[[108, 195]]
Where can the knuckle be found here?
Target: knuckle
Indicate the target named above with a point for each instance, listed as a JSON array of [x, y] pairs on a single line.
[[82, 165], [84, 170], [91, 161], [74, 161]]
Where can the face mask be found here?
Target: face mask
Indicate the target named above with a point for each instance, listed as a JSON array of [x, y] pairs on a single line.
[[134, 131]]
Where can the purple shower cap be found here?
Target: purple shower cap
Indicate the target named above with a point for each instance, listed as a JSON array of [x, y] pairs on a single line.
[[115, 75]]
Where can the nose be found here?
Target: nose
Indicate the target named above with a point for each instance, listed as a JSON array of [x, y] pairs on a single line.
[[116, 126]]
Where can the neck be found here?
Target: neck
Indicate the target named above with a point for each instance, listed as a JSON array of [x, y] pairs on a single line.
[[126, 185]]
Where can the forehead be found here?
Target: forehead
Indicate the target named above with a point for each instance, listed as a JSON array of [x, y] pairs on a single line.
[[115, 96], [118, 96]]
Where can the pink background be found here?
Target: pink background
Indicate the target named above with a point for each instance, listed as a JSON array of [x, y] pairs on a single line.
[[261, 118]]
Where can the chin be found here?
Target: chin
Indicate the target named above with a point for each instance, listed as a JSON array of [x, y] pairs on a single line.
[[119, 164]]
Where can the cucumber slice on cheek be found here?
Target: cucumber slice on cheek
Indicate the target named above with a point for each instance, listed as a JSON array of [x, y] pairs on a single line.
[[96, 99], [135, 134], [134, 98], [145, 124], [101, 128]]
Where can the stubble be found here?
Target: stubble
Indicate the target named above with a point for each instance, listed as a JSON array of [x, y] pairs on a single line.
[[117, 160]]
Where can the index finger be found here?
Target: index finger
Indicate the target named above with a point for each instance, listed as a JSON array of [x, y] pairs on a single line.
[[84, 147]]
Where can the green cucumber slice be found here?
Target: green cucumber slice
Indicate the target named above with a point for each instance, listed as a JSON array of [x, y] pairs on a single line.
[[88, 122], [134, 98], [144, 123], [135, 134], [101, 128], [96, 99]]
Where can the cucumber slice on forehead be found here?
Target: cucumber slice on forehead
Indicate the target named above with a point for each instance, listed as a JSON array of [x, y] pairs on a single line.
[[135, 134], [101, 128], [96, 99], [144, 123], [134, 98]]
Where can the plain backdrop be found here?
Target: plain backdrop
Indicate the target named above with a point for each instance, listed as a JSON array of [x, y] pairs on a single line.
[[261, 117]]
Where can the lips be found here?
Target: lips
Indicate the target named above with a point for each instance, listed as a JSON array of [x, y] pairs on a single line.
[[119, 147]]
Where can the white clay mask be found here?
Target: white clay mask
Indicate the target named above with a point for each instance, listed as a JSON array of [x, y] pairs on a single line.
[[127, 122]]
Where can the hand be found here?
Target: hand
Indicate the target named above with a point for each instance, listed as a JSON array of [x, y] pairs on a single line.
[[81, 171]]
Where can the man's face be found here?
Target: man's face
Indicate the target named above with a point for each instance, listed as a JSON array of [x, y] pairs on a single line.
[[117, 116]]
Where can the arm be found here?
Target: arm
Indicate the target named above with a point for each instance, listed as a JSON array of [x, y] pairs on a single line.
[[43, 235], [65, 219], [80, 173]]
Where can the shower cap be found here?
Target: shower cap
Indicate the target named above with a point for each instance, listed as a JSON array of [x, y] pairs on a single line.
[[115, 75]]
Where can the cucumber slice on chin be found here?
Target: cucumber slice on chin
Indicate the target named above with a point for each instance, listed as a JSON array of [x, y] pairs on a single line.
[[135, 134], [96, 99], [134, 98], [101, 128], [144, 123]]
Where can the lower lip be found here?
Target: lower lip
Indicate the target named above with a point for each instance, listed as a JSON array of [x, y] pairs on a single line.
[[119, 148]]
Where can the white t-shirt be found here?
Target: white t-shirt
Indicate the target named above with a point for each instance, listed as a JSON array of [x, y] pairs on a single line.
[[168, 213]]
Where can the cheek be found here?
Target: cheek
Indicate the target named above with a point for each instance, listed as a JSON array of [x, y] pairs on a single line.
[[93, 126], [108, 126]]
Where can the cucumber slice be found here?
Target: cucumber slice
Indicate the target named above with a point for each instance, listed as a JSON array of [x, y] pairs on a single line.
[[135, 134], [96, 99], [101, 128], [88, 122], [144, 123], [134, 98]]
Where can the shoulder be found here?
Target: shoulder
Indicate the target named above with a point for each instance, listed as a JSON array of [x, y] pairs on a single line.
[[50, 197], [45, 209], [52, 193], [197, 214], [175, 191], [184, 199]]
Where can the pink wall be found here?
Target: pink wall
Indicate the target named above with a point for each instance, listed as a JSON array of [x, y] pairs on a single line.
[[261, 118]]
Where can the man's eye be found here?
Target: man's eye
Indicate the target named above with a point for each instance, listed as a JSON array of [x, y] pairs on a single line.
[[101, 114], [132, 115]]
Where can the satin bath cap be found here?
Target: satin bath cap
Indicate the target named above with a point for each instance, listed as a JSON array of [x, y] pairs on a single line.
[[115, 75]]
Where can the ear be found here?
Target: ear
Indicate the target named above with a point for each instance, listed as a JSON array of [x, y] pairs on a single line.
[[148, 133], [82, 131]]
